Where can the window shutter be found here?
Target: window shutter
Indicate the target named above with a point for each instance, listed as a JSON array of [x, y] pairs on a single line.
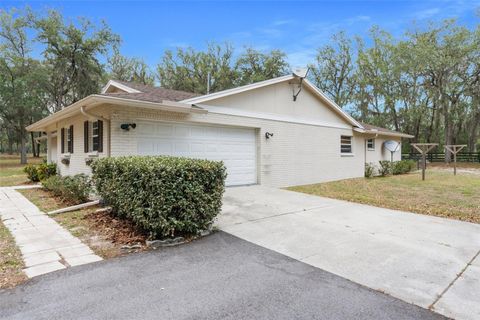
[[85, 136], [62, 133], [71, 139], [100, 136]]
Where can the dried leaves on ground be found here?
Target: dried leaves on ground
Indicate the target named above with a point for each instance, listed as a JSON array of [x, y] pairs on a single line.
[[104, 233], [11, 263]]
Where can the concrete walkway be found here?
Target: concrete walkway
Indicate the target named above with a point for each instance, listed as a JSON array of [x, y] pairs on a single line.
[[428, 261], [45, 245]]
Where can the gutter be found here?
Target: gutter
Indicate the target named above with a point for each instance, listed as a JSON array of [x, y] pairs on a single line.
[[383, 133]]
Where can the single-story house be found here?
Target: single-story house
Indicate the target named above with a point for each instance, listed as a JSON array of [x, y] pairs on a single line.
[[278, 132]]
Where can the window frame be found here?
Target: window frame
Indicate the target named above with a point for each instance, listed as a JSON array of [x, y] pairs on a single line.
[[68, 140], [349, 145], [371, 148], [94, 138]]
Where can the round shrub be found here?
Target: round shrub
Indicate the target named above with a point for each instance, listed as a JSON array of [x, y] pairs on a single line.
[[46, 170], [166, 196], [32, 173]]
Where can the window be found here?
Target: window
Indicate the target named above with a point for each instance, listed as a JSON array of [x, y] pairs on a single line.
[[93, 136], [346, 144], [371, 144], [67, 140]]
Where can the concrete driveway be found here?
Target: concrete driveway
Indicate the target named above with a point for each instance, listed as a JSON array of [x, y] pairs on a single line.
[[428, 261]]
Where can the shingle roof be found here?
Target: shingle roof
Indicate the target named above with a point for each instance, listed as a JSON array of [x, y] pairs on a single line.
[[151, 93], [380, 129], [158, 94]]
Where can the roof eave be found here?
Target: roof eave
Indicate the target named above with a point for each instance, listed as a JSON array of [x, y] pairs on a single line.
[[383, 133], [94, 99]]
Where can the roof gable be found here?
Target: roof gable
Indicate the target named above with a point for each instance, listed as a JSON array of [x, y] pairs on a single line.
[[262, 84]]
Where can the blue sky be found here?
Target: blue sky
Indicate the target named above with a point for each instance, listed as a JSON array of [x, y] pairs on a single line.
[[298, 28]]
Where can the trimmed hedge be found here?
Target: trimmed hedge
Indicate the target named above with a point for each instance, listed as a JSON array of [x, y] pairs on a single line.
[[166, 196]]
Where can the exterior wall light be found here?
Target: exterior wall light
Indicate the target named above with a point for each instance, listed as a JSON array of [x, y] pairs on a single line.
[[127, 126], [268, 135]]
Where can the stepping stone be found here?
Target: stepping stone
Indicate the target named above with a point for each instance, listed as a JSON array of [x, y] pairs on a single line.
[[43, 268], [89, 258], [74, 251], [41, 258]]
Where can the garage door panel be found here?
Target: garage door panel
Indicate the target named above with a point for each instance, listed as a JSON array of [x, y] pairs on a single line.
[[234, 146]]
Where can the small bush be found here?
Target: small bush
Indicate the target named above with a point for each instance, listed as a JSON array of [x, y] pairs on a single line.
[[369, 170], [403, 166], [165, 196], [46, 170], [74, 189], [385, 168], [32, 173], [40, 172]]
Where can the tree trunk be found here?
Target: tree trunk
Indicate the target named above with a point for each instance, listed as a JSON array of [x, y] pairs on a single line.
[[448, 135], [10, 145], [23, 151]]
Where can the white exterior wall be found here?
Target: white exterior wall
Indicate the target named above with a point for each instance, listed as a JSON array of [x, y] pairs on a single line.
[[297, 154], [77, 158], [380, 153]]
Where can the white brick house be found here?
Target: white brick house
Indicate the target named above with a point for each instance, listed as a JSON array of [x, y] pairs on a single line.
[[259, 131]]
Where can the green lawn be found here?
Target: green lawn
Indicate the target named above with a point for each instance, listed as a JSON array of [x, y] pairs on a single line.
[[442, 194], [11, 171]]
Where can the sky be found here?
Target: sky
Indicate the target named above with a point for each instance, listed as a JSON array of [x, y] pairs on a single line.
[[298, 28]]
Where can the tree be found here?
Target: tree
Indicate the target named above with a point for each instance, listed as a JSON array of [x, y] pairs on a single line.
[[253, 66], [21, 79], [334, 68], [129, 69], [72, 56], [198, 71]]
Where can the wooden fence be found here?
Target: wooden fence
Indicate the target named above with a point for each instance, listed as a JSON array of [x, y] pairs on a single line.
[[440, 156]]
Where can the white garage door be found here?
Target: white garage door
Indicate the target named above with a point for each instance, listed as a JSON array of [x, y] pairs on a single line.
[[234, 146]]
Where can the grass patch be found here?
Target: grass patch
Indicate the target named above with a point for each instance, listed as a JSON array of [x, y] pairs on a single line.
[[43, 199], [442, 194], [462, 165], [11, 171], [11, 263]]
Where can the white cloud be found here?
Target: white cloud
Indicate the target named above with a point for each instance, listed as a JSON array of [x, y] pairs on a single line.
[[282, 22], [301, 58], [426, 14]]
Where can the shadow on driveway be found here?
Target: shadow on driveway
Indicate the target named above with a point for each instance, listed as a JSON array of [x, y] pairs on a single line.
[[217, 277]]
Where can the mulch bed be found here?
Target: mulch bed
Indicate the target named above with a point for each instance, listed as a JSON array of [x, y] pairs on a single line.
[[118, 231]]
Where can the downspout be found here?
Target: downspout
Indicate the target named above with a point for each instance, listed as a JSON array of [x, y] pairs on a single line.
[[107, 122]]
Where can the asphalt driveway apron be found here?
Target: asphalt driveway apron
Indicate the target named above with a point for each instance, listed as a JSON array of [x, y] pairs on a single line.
[[428, 261], [217, 277]]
